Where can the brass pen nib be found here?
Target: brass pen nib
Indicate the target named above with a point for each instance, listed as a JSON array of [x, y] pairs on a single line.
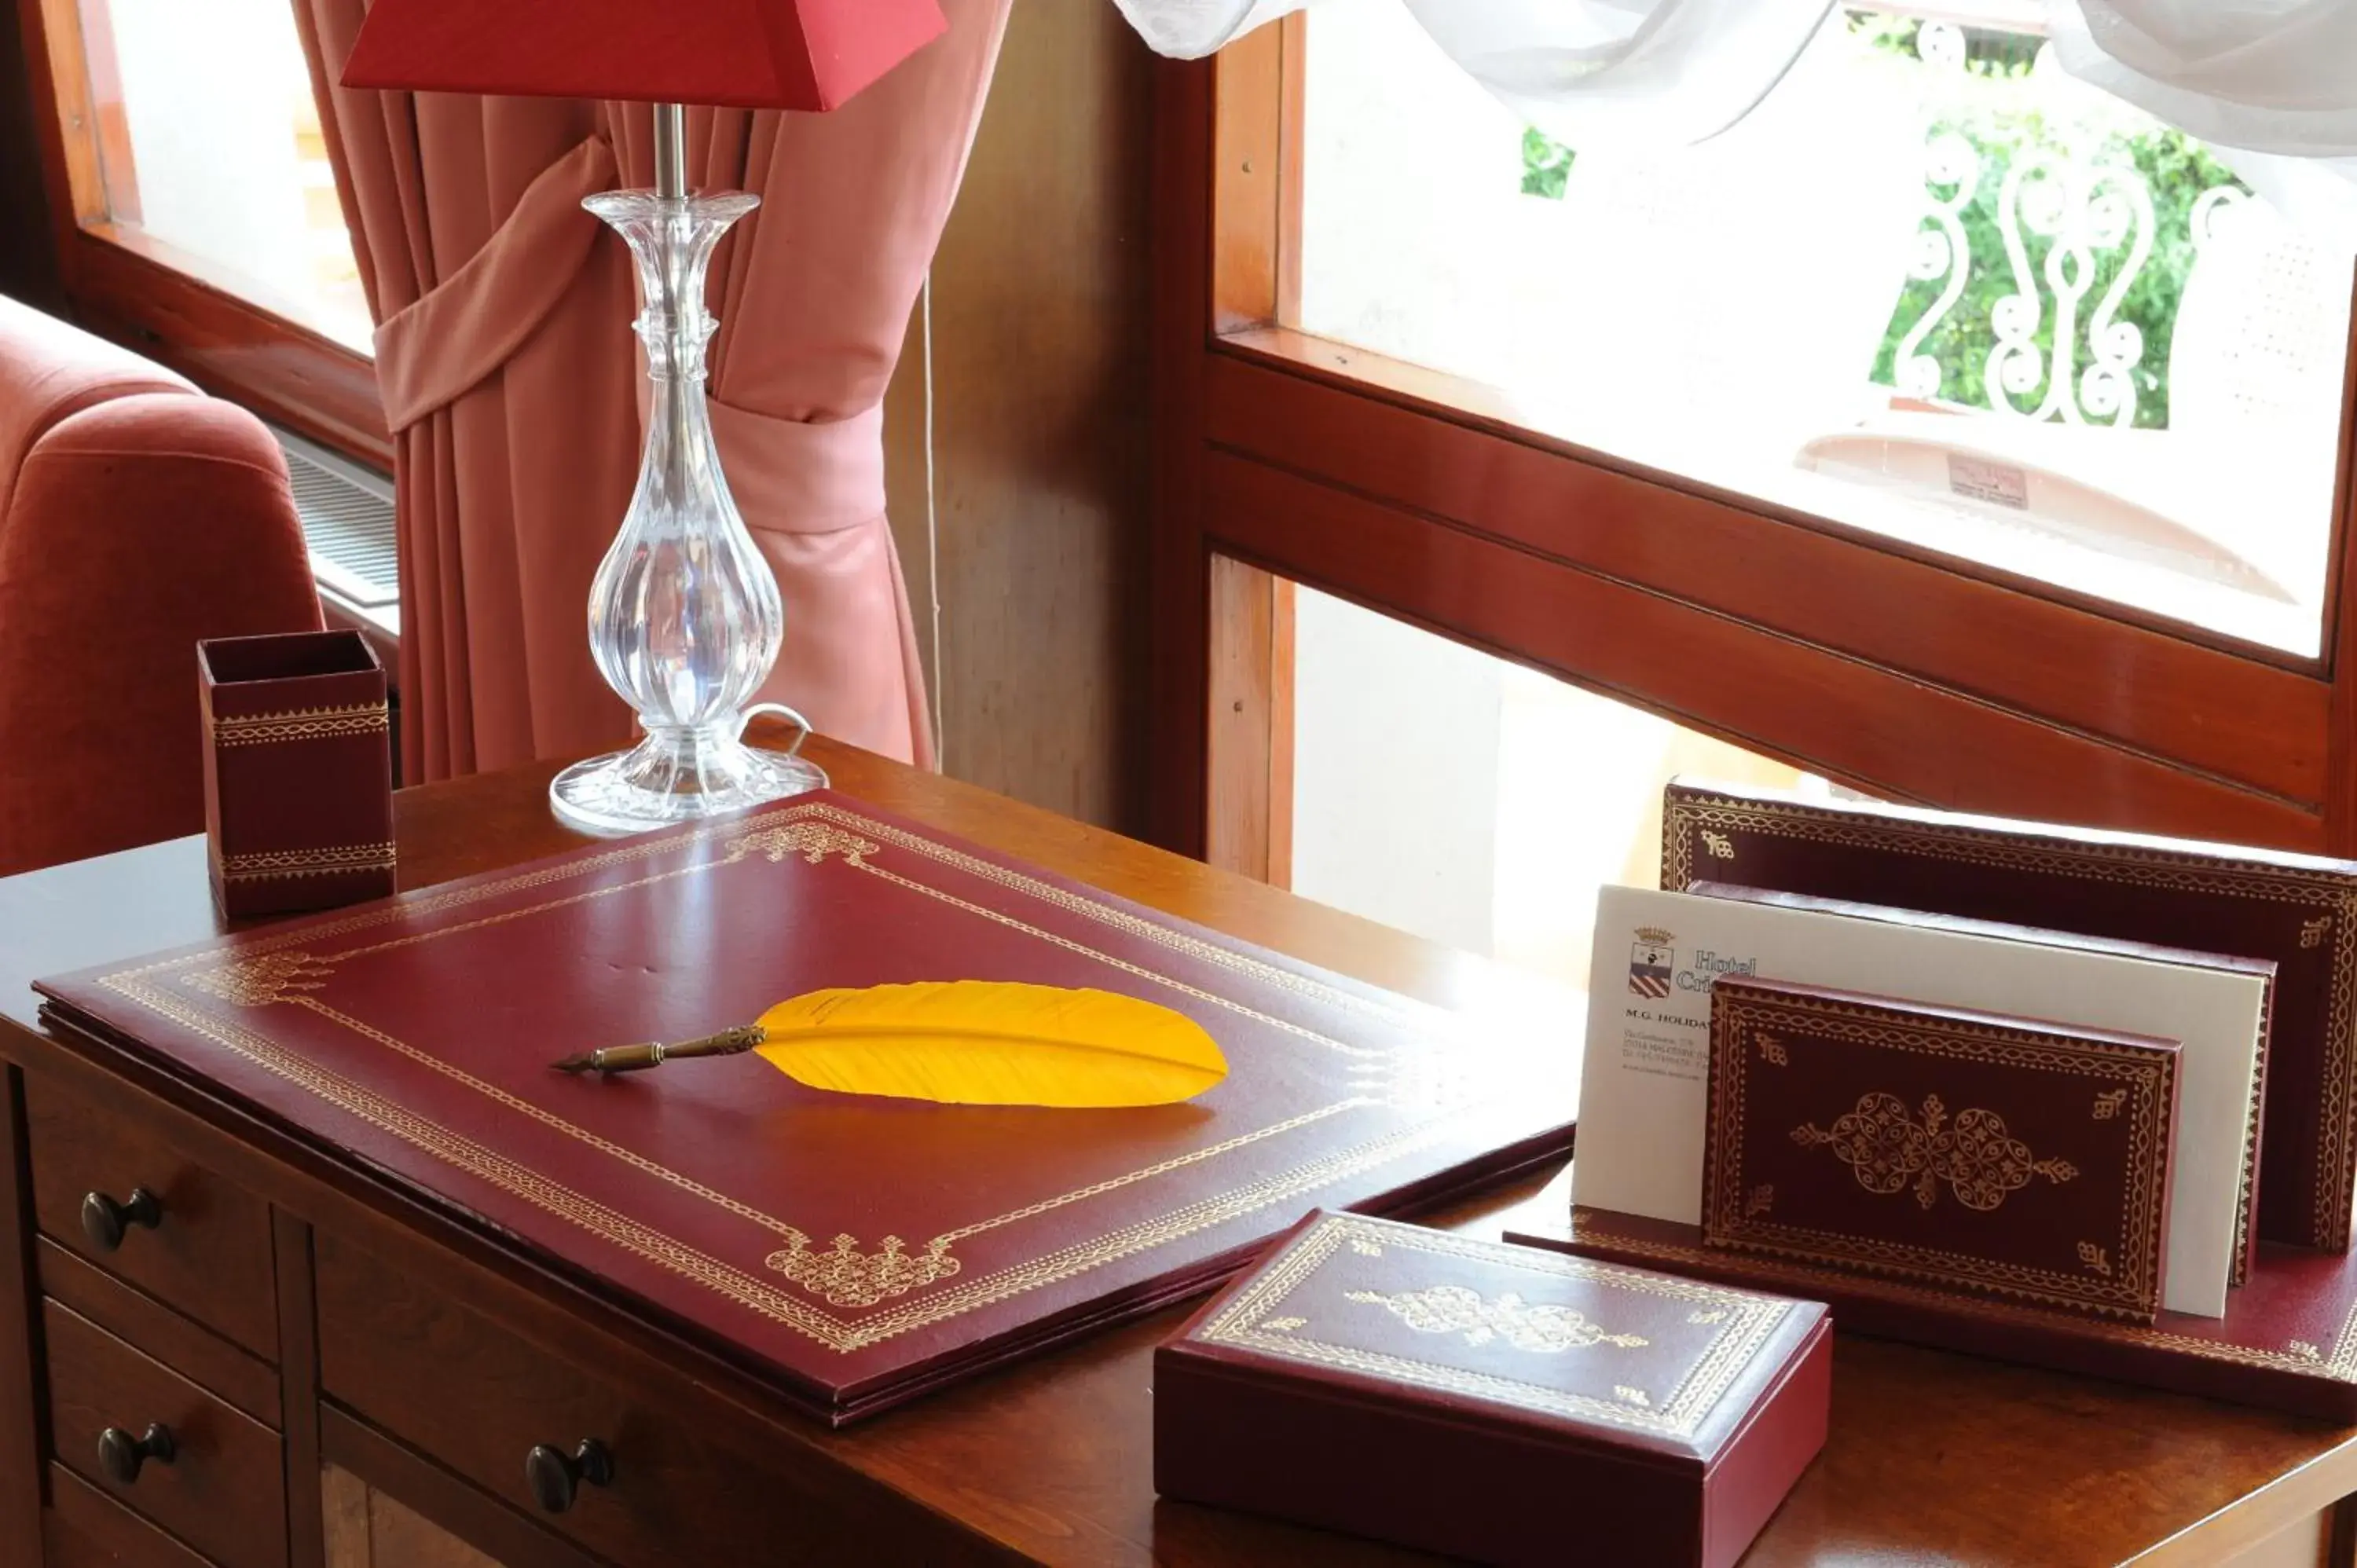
[[654, 1053]]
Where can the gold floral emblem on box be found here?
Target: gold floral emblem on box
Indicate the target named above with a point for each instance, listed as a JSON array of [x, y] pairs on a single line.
[[1889, 1150], [1526, 1326]]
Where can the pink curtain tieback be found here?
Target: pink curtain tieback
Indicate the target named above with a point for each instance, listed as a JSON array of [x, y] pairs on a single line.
[[793, 475], [459, 332]]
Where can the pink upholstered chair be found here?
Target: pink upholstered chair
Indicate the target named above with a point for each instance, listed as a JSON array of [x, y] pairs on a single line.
[[136, 515]]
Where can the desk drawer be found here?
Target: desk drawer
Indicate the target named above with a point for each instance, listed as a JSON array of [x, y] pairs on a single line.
[[477, 1398], [208, 1252], [223, 1489], [83, 1528]]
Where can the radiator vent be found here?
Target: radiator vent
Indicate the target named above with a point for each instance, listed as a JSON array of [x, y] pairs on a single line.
[[346, 513]]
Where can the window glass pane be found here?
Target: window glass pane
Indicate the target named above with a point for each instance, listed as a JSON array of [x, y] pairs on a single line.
[[1447, 792], [213, 149], [1933, 287]]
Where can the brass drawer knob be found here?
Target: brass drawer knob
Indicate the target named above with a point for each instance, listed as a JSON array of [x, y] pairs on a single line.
[[556, 1476], [105, 1222], [122, 1456]]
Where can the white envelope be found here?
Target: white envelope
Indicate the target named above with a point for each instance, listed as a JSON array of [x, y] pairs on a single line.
[[1642, 1095]]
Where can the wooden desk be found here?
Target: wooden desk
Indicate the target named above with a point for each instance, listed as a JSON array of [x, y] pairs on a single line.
[[1933, 1457]]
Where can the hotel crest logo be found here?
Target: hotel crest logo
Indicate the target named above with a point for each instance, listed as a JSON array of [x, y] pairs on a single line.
[[1653, 962]]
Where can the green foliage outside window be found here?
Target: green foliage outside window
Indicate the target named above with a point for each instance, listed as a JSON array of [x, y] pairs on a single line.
[[1546, 164], [1992, 103]]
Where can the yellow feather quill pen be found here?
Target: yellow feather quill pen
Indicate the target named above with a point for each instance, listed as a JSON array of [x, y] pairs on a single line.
[[980, 1042], [964, 1042]]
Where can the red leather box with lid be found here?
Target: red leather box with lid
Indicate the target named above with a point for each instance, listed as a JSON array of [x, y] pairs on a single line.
[[1499, 1403]]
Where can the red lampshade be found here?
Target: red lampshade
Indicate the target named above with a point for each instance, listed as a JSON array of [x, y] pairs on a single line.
[[745, 54]]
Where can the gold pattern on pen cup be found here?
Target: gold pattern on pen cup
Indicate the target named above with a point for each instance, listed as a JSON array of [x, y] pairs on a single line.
[[282, 864], [2108, 1103], [299, 723], [1771, 1050], [1889, 1150]]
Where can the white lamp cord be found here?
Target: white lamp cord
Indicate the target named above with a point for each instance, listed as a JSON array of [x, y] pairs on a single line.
[[933, 538]]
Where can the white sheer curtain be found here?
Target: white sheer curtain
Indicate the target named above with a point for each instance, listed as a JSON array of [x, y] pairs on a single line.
[[1190, 30], [1587, 72], [1627, 72], [2273, 83]]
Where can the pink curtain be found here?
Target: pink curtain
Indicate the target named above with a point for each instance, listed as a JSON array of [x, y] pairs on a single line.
[[511, 379]]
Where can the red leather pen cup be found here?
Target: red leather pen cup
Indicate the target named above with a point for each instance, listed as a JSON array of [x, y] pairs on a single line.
[[299, 771]]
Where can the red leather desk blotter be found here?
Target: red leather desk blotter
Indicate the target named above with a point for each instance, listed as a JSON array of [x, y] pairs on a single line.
[[1965, 1150], [852, 1251], [2298, 910]]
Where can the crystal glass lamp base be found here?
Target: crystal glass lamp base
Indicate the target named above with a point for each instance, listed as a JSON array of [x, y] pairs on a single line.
[[676, 778], [685, 619]]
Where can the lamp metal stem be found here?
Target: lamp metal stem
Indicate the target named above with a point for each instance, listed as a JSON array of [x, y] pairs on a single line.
[[670, 149]]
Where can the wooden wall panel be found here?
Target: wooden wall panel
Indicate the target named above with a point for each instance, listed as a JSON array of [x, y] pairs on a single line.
[[1178, 669], [28, 268], [1040, 317]]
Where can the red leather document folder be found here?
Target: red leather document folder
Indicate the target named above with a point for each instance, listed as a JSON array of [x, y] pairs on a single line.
[[1497, 1403], [850, 1251], [1996, 1156], [2301, 911]]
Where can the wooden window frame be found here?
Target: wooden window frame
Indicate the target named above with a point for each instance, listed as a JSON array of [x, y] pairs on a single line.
[[1900, 672], [153, 298]]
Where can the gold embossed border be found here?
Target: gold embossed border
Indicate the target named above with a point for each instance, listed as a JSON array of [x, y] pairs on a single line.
[[794, 838], [143, 984], [1729, 1219], [267, 865], [1398, 1012], [1593, 1236], [1735, 1345], [292, 976], [299, 723], [1687, 812]]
